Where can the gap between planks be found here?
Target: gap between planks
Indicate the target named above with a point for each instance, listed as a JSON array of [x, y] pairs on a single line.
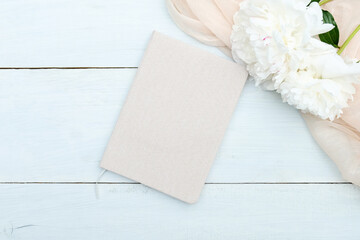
[[209, 183]]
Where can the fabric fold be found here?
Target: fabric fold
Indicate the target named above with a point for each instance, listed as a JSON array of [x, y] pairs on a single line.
[[210, 22]]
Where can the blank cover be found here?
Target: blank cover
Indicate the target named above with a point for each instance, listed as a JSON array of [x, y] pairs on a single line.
[[174, 118]]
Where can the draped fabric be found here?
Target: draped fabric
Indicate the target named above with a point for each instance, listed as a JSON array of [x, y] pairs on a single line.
[[210, 22]]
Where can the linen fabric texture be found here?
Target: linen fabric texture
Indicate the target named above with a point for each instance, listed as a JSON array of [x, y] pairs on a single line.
[[174, 118]]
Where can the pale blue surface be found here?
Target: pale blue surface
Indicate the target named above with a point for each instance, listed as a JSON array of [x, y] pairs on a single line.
[[55, 124]]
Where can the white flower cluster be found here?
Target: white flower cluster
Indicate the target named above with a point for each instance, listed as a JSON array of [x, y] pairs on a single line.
[[277, 40]]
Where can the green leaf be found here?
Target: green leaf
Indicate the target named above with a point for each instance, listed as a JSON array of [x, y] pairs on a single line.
[[331, 37], [313, 1]]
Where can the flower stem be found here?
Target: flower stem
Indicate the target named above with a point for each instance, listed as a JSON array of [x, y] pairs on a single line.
[[324, 1], [348, 40]]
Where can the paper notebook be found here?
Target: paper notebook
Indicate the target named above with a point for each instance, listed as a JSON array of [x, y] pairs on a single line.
[[174, 118]]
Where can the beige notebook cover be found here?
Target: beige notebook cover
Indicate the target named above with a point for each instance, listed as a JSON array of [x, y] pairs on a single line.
[[174, 118]]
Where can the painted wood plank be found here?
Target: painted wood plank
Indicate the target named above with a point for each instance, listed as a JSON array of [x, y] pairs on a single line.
[[131, 211], [55, 124], [81, 33]]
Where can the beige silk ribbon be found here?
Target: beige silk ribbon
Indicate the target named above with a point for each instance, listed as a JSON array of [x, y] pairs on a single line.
[[210, 22]]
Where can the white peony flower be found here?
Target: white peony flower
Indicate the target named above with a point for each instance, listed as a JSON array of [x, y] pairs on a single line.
[[277, 40], [313, 89]]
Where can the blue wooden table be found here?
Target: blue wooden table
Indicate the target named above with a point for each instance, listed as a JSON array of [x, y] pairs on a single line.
[[66, 67]]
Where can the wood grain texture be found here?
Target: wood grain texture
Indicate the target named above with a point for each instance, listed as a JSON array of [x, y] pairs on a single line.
[[56, 124], [81, 33], [251, 212]]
